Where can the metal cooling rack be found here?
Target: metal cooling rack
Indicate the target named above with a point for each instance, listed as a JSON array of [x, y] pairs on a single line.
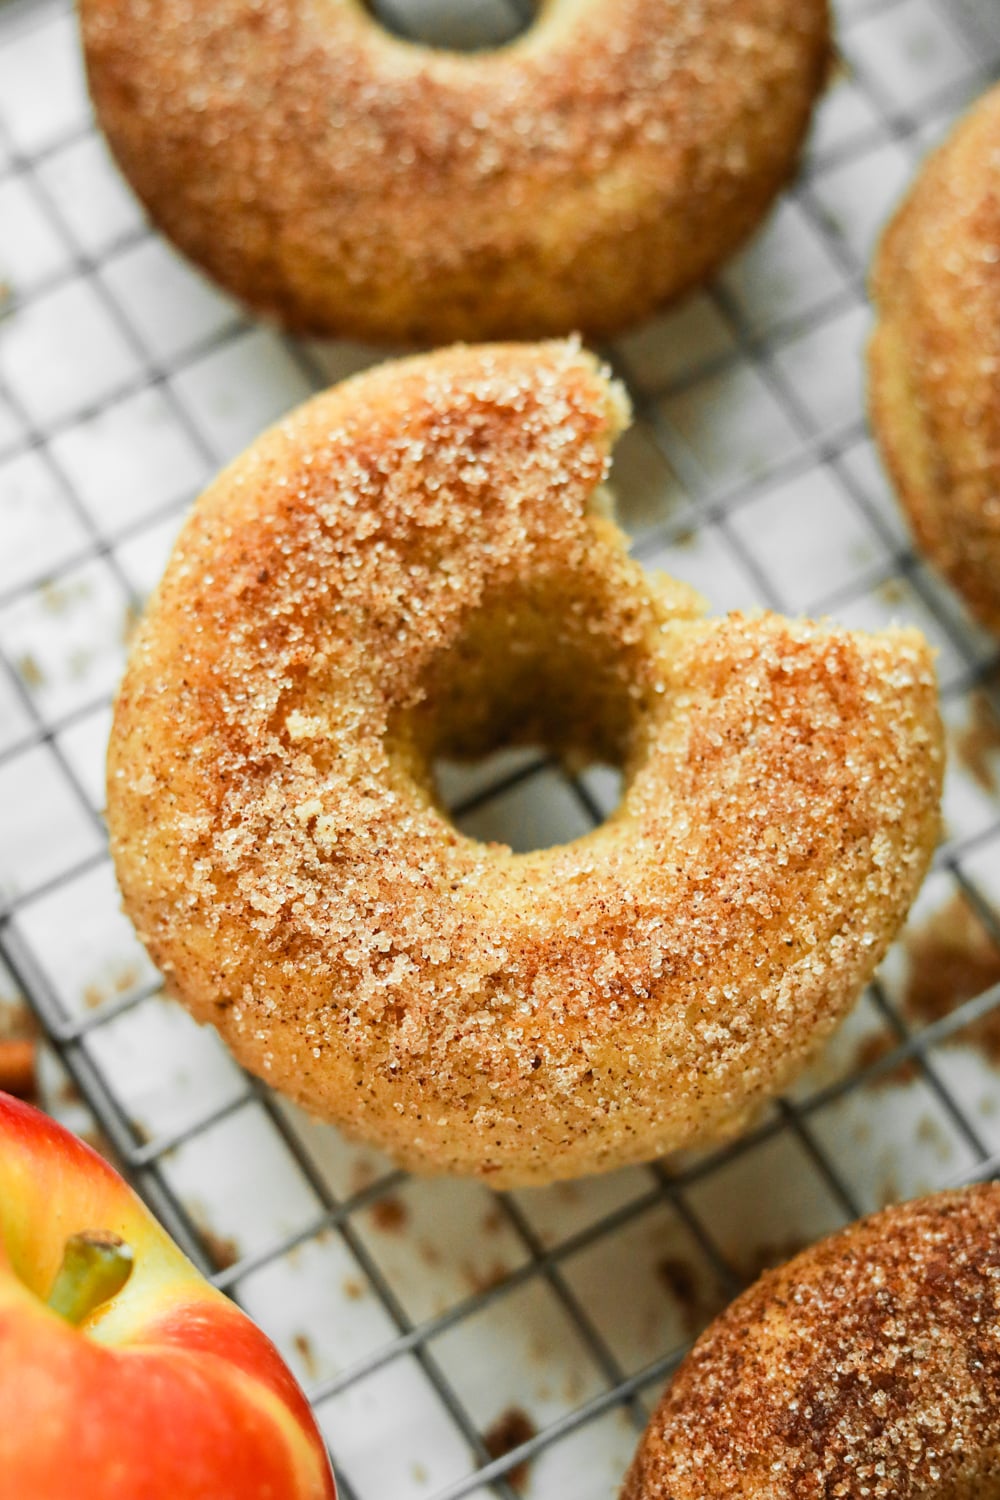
[[455, 1343]]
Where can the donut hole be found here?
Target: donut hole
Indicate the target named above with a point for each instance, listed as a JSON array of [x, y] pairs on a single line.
[[538, 674], [519, 800], [455, 25]]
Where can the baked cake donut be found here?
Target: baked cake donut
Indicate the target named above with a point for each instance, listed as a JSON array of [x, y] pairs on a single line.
[[935, 358], [349, 182], [414, 564], [868, 1368]]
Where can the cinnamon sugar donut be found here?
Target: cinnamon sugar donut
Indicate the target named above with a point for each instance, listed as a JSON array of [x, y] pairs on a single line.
[[935, 358], [349, 182], [410, 565], [868, 1368]]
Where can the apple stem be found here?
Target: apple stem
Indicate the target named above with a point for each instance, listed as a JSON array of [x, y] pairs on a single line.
[[95, 1267]]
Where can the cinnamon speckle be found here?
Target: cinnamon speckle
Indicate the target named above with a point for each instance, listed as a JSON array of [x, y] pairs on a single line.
[[390, 1214], [508, 1432], [305, 1351]]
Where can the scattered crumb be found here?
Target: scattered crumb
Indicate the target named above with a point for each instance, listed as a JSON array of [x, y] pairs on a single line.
[[888, 1193], [539, 1351], [892, 590], [93, 996], [363, 1174], [872, 1049], [17, 1021], [952, 958], [492, 1221], [390, 1214], [125, 978], [30, 672], [419, 1474], [122, 979], [695, 1302], [751, 1264], [307, 1354], [679, 1278], [57, 597], [429, 1254], [978, 743], [480, 1281], [222, 1249], [18, 1061], [508, 1432], [353, 1289], [68, 1093], [930, 1133]]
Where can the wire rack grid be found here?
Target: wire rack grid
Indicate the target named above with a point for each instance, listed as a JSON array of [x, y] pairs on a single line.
[[454, 1342]]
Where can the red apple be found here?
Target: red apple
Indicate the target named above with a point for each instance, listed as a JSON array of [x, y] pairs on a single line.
[[123, 1374]]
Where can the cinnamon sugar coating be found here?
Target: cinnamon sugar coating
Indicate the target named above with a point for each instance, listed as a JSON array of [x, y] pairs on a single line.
[[346, 181], [868, 1368], [935, 357], [412, 564]]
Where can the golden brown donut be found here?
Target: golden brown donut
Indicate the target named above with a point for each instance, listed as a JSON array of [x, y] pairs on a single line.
[[868, 1368], [349, 182], [410, 565], [935, 357]]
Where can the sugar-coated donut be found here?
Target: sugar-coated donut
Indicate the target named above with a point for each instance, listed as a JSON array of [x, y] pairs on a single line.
[[868, 1368], [349, 182], [410, 565], [935, 357]]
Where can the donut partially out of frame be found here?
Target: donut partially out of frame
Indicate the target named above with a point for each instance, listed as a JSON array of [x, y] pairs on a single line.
[[412, 565], [349, 182], [868, 1368], [935, 358]]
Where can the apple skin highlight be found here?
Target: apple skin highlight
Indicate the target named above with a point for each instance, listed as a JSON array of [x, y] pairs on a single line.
[[165, 1392]]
